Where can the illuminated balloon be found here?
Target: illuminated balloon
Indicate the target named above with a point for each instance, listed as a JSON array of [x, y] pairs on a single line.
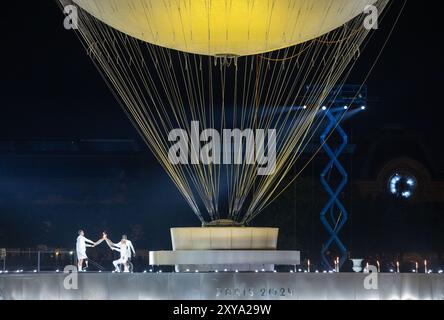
[[225, 27]]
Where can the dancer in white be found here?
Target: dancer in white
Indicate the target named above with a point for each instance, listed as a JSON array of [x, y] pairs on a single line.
[[130, 248], [121, 247], [81, 245], [131, 252]]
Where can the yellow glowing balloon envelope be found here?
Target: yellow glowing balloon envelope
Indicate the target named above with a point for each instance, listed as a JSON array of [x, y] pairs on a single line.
[[225, 27]]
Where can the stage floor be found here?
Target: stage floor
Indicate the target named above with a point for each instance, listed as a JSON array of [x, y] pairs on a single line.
[[223, 286]]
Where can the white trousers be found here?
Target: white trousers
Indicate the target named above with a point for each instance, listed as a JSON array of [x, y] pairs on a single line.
[[123, 261]]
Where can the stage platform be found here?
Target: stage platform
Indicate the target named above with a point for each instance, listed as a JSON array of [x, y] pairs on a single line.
[[231, 260], [223, 286]]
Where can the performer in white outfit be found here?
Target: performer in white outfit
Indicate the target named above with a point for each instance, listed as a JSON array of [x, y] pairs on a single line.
[[81, 245], [121, 247], [129, 245]]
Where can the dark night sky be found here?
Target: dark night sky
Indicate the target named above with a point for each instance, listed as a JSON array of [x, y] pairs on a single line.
[[50, 89]]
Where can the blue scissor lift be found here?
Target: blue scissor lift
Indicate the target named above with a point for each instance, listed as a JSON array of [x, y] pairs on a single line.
[[334, 215]]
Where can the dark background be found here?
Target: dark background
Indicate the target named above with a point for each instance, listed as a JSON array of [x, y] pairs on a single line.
[[52, 96]]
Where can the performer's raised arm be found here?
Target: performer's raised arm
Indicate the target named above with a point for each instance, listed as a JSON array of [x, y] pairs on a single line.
[[112, 246], [90, 242], [104, 237], [109, 242], [99, 242]]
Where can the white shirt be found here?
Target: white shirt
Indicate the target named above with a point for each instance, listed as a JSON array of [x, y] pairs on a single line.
[[130, 249], [122, 248], [82, 244]]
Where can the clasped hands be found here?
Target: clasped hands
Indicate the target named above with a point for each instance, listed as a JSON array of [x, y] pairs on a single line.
[[104, 238]]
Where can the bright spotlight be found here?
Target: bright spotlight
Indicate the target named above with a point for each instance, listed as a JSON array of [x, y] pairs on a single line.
[[304, 107], [324, 108], [363, 108], [345, 107]]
